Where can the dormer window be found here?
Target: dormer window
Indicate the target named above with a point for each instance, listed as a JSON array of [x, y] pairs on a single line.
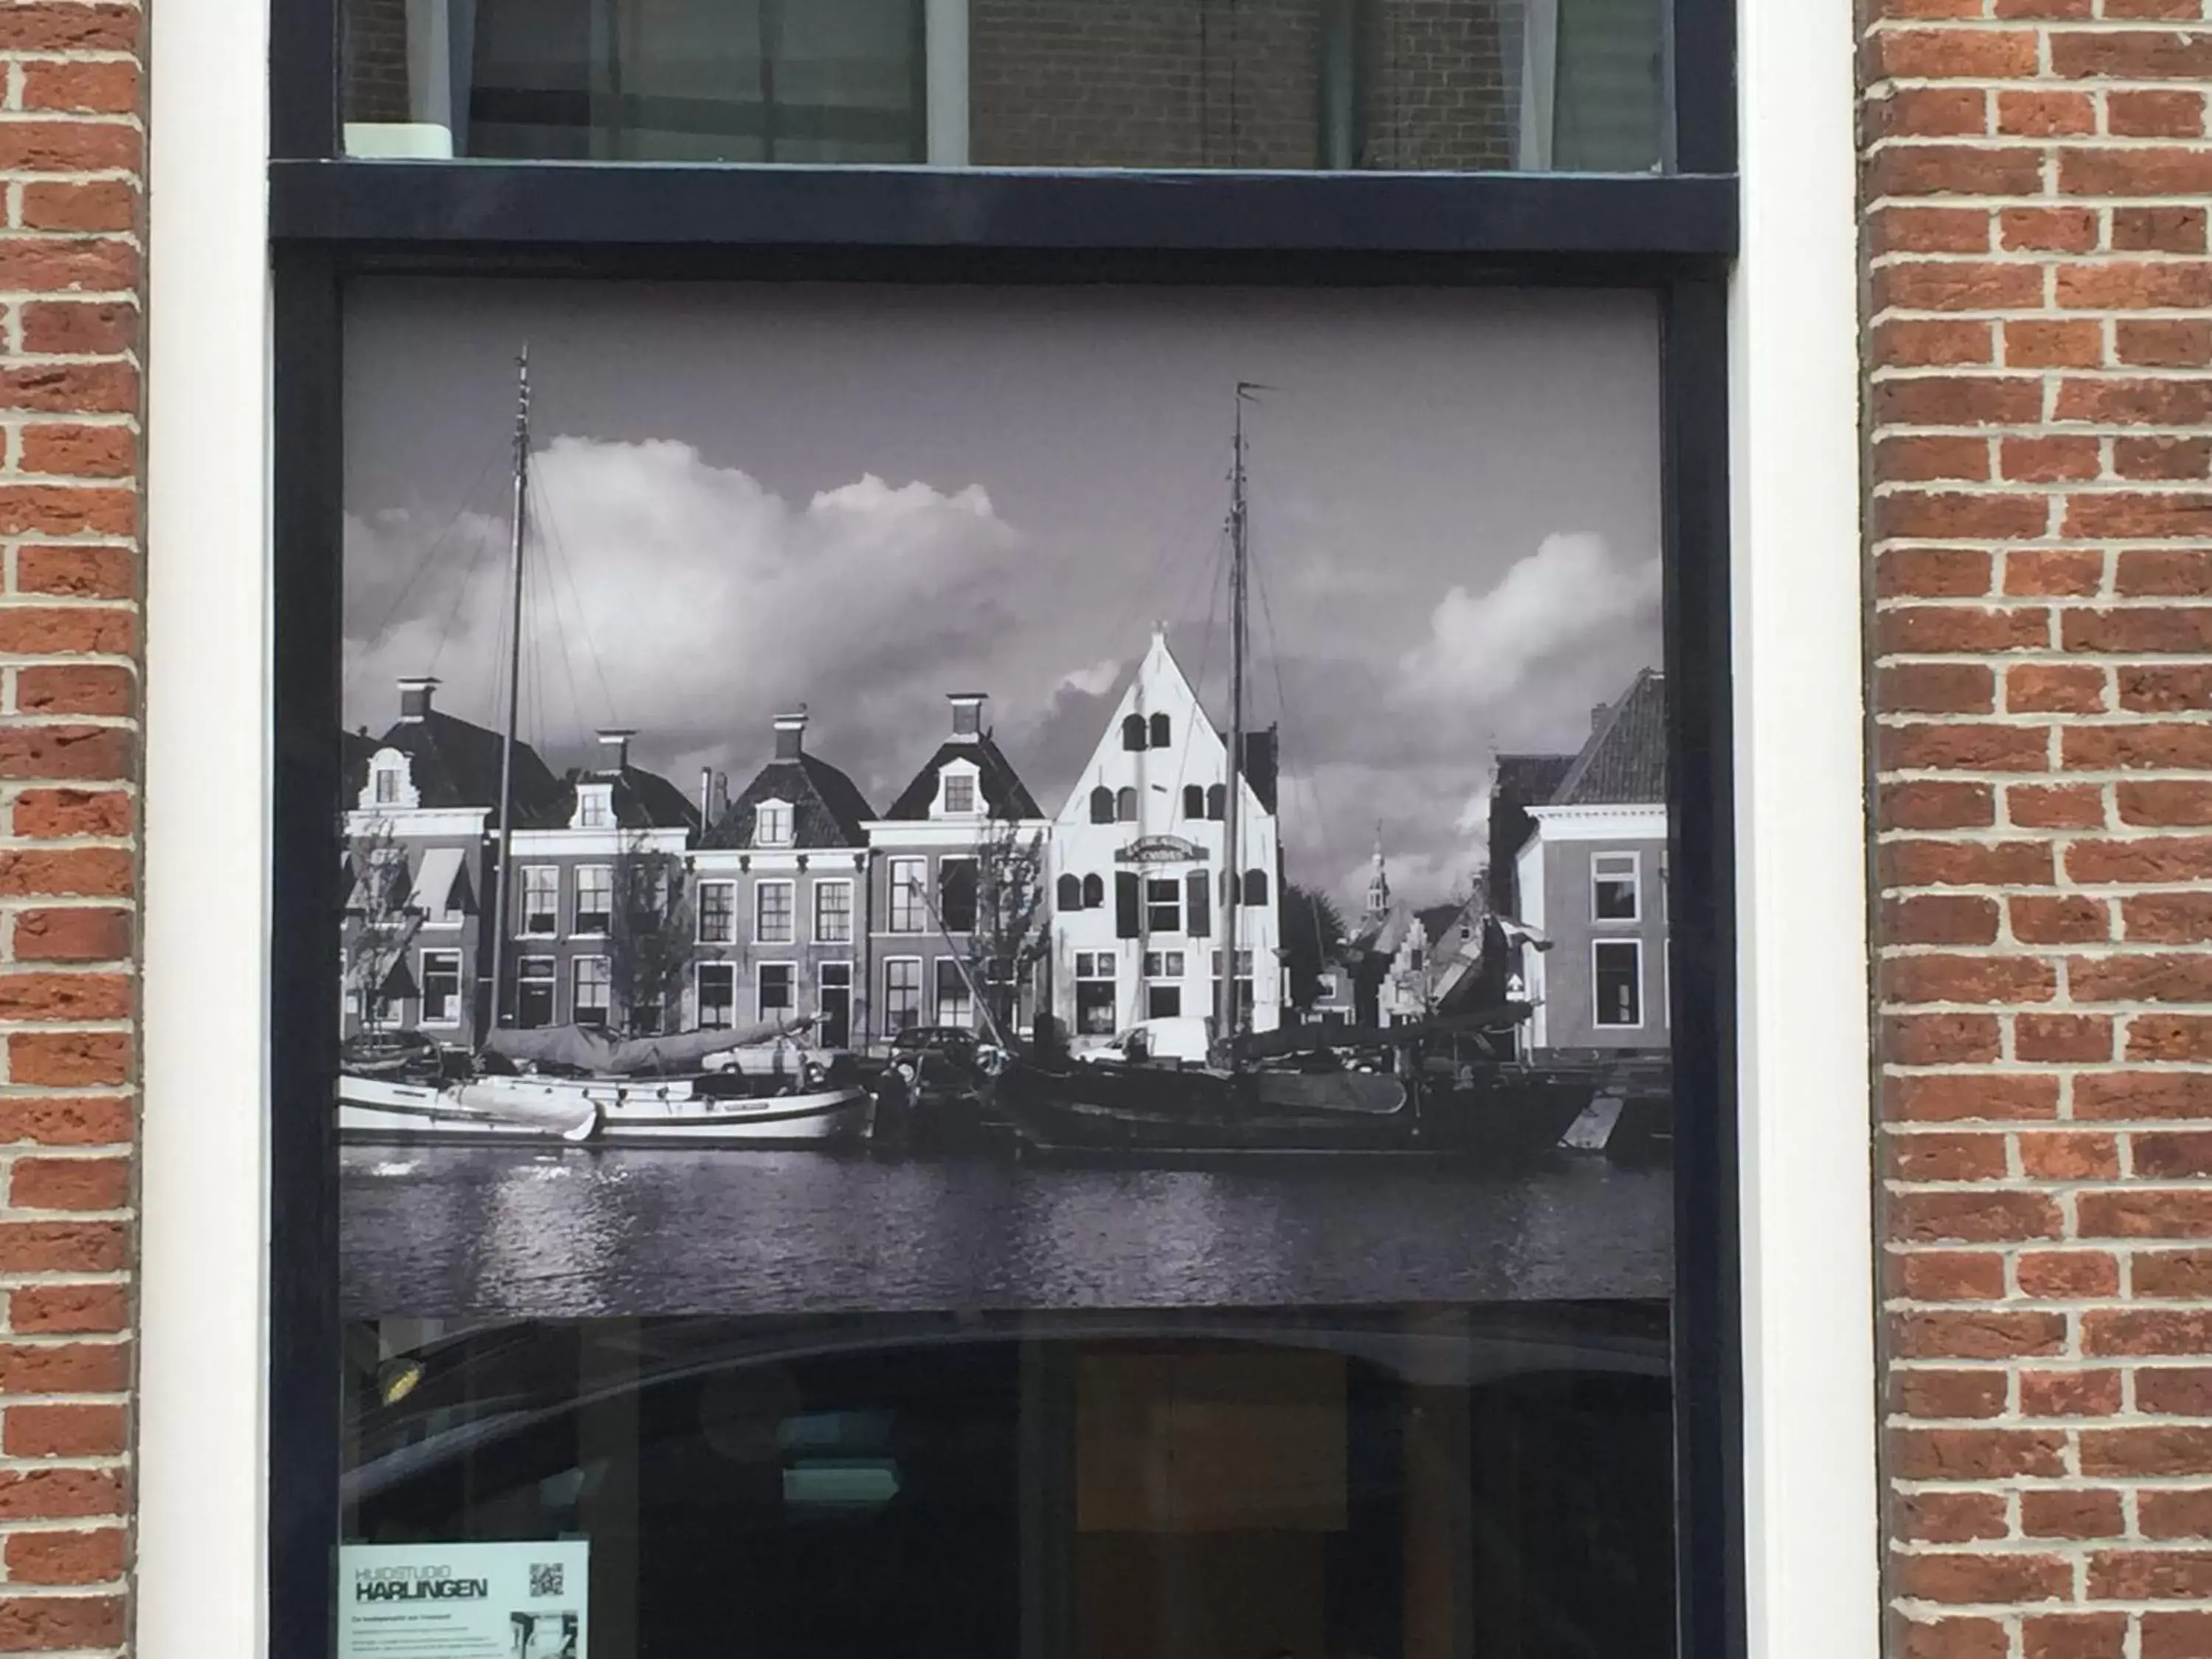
[[595, 806], [772, 823], [960, 792], [387, 785]]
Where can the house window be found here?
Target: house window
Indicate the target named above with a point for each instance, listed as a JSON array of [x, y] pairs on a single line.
[[1125, 805], [955, 1004], [773, 913], [955, 895], [1243, 984], [441, 987], [1255, 887], [1094, 892], [718, 995], [1133, 733], [1162, 905], [772, 823], [595, 898], [1216, 802], [1102, 804], [1167, 965], [1162, 991], [541, 901], [718, 911], [1162, 1001], [779, 992], [1094, 992], [1617, 982], [1613, 886], [836, 1030], [534, 993], [592, 984], [1067, 893], [901, 994], [907, 913], [960, 792], [1193, 801], [594, 809], [833, 912], [387, 785], [1159, 732]]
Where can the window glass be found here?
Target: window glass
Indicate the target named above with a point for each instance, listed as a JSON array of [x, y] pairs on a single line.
[[1034, 1234], [1384, 85]]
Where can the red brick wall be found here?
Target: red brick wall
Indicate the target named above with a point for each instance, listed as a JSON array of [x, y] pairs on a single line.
[[2040, 416], [71, 142]]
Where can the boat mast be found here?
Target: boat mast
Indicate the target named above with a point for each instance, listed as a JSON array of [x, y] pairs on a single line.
[[513, 685], [1230, 1015]]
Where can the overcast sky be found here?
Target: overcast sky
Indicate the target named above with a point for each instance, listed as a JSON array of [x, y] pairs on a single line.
[[859, 498]]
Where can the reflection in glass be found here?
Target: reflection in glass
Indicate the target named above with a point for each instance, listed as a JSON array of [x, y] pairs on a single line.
[[1397, 85], [1424, 1483]]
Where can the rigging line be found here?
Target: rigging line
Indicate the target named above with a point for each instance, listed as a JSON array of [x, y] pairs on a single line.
[[1173, 549], [563, 572], [1205, 651], [561, 640], [1329, 844], [422, 567], [461, 591]]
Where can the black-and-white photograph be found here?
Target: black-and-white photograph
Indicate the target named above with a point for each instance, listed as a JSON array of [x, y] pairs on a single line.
[[866, 798]]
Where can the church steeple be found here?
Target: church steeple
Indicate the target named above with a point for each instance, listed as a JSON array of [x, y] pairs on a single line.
[[1378, 883]]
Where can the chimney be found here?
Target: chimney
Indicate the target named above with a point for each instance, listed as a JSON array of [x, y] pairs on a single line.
[[718, 799], [614, 750], [790, 733], [415, 697], [967, 713], [706, 796], [1598, 712]]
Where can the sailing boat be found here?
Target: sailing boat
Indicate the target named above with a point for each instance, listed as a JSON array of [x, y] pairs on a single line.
[[1438, 1086], [749, 1086]]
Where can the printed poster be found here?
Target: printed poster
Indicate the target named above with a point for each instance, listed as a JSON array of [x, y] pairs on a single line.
[[505, 1600]]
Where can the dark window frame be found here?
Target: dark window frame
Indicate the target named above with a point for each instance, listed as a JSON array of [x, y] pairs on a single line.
[[1672, 235]]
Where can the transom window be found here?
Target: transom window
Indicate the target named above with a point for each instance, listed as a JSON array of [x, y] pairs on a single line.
[[1613, 896]]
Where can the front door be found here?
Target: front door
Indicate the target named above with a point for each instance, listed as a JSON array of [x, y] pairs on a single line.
[[836, 1028]]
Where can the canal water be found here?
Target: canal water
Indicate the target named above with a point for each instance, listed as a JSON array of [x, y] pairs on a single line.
[[574, 1232]]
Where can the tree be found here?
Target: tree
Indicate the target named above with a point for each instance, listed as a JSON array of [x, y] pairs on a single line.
[[1009, 937], [650, 937], [1313, 934], [379, 922]]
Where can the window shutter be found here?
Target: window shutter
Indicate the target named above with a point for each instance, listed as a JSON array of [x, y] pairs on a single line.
[[1200, 919], [1126, 905]]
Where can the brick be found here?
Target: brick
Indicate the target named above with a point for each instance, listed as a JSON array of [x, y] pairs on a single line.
[[1950, 1517], [2053, 571], [2074, 1515], [2133, 402], [63, 1122], [1915, 54], [1946, 1157], [2064, 1275], [29, 1431], [1958, 400], [70, 1060], [2068, 1156], [58, 630], [2155, 114], [1917, 460], [78, 265], [82, 572], [98, 388], [2176, 1514], [2170, 459], [2166, 918], [73, 935], [1977, 1454], [2057, 1038], [2166, 344], [1942, 1039], [2142, 1214], [2056, 806], [77, 1310], [106, 204], [1940, 514], [2065, 918], [1940, 918], [90, 871], [2132, 55], [2117, 1096], [2039, 112], [2159, 230], [1973, 1218], [2155, 859], [2070, 1394], [93, 688], [1935, 573], [1982, 1334], [2170, 1037], [1952, 1639], [2161, 286], [59, 812], [70, 1368], [63, 1247], [2140, 978], [2166, 1449], [91, 88], [1923, 342], [2150, 1575], [2165, 687], [2053, 688], [57, 998], [2174, 1391], [1980, 1579], [1927, 804], [2002, 1098], [1922, 1392], [1932, 112], [1967, 979], [2060, 230], [58, 1494], [1958, 169], [2176, 1635], [1941, 627], [1927, 230], [69, 1183], [1935, 688], [43, 1623], [1950, 1275], [2074, 345], [2174, 1275], [91, 1556], [2072, 1635], [2165, 802], [1966, 864], [80, 452], [2140, 516]]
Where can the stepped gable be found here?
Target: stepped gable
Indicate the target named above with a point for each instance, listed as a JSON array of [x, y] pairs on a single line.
[[1625, 762]]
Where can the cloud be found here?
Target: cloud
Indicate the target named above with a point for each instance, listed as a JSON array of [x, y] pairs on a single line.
[[1097, 680], [693, 603]]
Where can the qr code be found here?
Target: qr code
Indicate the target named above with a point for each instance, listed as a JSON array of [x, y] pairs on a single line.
[[548, 1578]]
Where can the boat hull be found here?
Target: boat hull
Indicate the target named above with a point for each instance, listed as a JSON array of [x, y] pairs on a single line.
[[600, 1113]]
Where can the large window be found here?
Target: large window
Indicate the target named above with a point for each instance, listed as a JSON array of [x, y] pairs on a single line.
[[902, 994], [1614, 895], [440, 980], [779, 990], [833, 912], [718, 909], [593, 986], [909, 911], [1617, 982], [1094, 992], [595, 898], [717, 995], [540, 912], [955, 1002], [774, 907]]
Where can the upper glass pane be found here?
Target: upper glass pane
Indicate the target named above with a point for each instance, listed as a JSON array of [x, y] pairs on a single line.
[[1385, 85]]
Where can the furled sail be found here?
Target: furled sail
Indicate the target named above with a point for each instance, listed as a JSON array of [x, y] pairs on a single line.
[[585, 1048]]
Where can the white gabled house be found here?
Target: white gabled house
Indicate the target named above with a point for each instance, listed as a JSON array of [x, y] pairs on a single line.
[[1138, 873]]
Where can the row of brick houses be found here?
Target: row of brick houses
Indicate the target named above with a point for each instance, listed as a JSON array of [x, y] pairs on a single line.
[[634, 906]]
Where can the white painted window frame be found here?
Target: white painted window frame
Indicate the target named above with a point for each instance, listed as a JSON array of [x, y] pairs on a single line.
[[1812, 1525], [824, 884], [699, 971], [920, 965], [522, 910], [760, 986], [730, 911], [422, 984], [576, 904], [790, 886], [1635, 861], [576, 966], [522, 964]]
